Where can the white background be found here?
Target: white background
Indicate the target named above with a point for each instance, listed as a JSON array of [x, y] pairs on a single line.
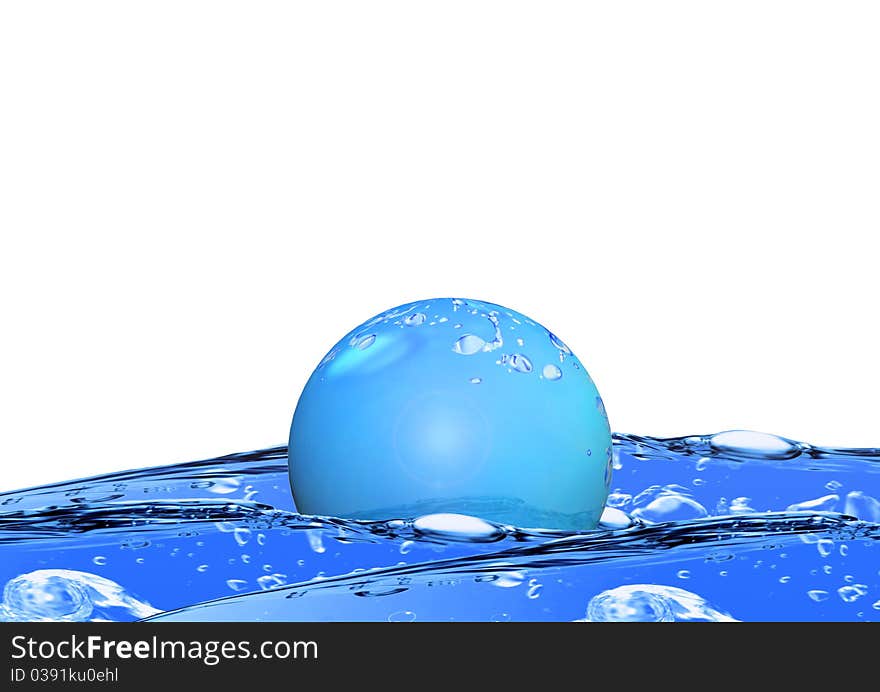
[[198, 199]]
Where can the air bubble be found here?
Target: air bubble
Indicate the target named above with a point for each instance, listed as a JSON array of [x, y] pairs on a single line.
[[520, 363], [753, 445], [551, 372], [415, 320], [365, 342], [468, 345]]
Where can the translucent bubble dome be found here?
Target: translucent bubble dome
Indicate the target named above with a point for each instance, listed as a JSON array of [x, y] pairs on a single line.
[[451, 405]]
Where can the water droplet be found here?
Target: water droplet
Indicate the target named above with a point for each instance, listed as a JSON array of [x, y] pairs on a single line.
[[820, 504], [818, 595], [509, 580], [236, 584], [402, 616], [753, 445], [614, 519], [271, 581], [202, 568], [468, 345], [225, 485], [551, 372], [406, 546], [852, 592], [476, 380], [683, 574], [241, 535], [824, 546], [415, 320], [862, 506], [560, 346], [316, 542], [458, 527], [365, 342], [520, 363], [618, 499], [535, 588]]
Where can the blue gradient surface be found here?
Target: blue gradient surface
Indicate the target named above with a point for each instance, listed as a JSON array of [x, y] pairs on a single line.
[[445, 405]]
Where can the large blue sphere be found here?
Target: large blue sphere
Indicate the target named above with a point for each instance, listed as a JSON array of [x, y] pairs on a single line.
[[452, 405]]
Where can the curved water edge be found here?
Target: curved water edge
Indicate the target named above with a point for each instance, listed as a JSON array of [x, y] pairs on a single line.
[[752, 526]]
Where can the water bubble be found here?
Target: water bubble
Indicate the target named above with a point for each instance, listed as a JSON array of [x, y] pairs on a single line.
[[202, 568], [560, 346], [670, 506], [534, 589], [683, 574], [509, 580], [475, 380], [225, 485], [468, 345], [519, 342], [844, 550], [236, 584], [241, 535], [551, 372], [402, 616], [140, 560], [833, 485], [245, 558], [301, 563], [261, 539], [862, 506], [365, 342], [415, 320], [826, 503], [827, 569], [702, 463], [505, 617], [651, 603], [753, 445], [698, 481], [99, 560], [406, 546], [784, 580], [316, 542], [848, 578], [876, 605], [824, 546], [271, 581], [740, 505], [818, 595], [614, 519], [722, 573], [852, 592], [457, 527], [520, 363]]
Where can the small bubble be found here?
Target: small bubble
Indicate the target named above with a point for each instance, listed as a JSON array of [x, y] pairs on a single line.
[[519, 342], [224, 486], [784, 580], [267, 567], [534, 589], [476, 380], [698, 481], [505, 617], [876, 605], [618, 499], [520, 363], [271, 581], [702, 463], [415, 320], [551, 372], [824, 546], [833, 485], [683, 574], [826, 569], [245, 558], [852, 592], [140, 560], [848, 578], [402, 616], [844, 550], [261, 539], [202, 568], [365, 342], [300, 562], [241, 535], [99, 560], [468, 345], [722, 573], [406, 546], [236, 584], [818, 595], [316, 542], [508, 580]]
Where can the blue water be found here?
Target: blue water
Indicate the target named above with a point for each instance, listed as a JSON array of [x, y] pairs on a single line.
[[735, 526]]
